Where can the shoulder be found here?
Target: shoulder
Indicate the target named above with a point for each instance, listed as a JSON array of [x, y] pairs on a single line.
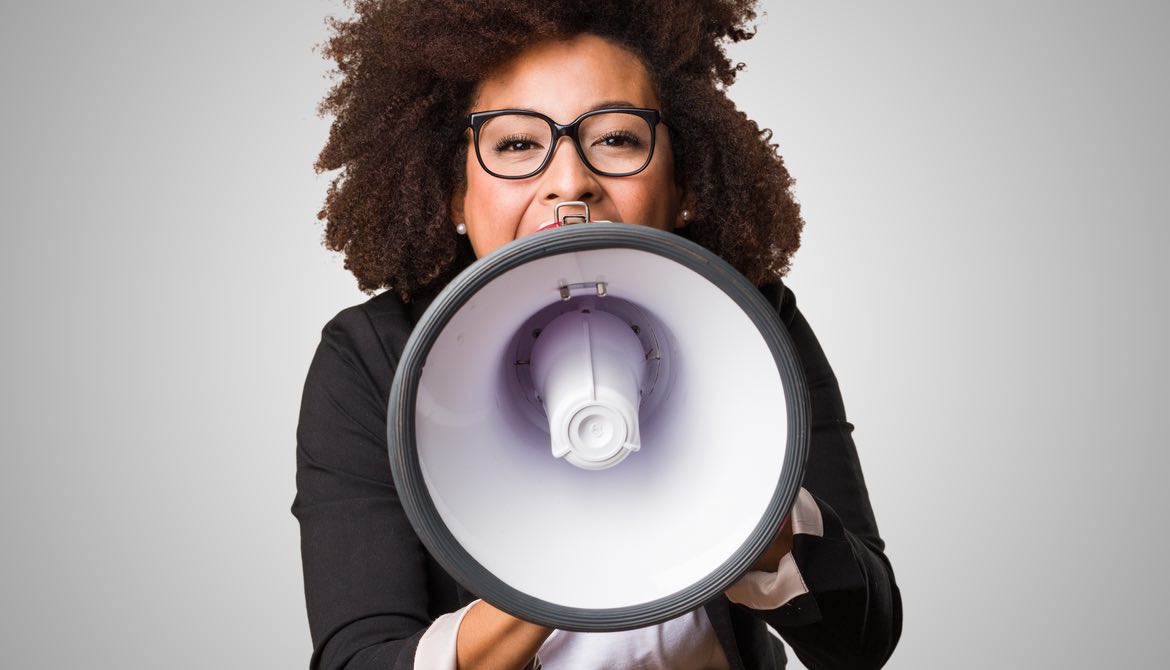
[[822, 382], [376, 328], [341, 432], [783, 299], [359, 351]]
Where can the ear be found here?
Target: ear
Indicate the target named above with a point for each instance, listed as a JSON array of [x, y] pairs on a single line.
[[685, 204], [457, 213]]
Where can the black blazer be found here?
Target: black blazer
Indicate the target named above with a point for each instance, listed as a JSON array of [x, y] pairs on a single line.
[[372, 589]]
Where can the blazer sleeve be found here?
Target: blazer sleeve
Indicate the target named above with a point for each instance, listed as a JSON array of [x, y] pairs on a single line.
[[852, 615], [365, 570]]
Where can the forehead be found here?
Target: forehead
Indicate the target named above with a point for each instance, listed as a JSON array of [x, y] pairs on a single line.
[[564, 79]]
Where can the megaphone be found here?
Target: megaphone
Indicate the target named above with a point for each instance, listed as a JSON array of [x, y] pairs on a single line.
[[598, 427]]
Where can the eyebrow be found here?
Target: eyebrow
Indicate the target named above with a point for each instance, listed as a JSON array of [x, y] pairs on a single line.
[[608, 104], [612, 104]]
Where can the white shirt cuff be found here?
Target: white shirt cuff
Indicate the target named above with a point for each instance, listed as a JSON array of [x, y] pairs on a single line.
[[769, 590], [436, 648]]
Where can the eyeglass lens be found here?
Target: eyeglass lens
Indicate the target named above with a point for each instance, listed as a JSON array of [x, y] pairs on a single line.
[[514, 145]]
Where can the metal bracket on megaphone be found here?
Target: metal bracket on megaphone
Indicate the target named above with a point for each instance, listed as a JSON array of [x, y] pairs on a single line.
[[566, 290], [569, 219]]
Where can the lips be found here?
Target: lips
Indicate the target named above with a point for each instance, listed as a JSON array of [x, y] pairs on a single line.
[[549, 226]]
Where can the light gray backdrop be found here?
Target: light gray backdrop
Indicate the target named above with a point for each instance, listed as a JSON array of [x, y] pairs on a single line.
[[984, 185]]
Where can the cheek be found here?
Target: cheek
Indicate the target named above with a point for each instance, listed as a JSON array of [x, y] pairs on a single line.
[[478, 189], [492, 210], [657, 194], [649, 201]]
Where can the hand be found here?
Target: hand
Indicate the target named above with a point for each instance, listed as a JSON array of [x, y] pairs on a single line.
[[781, 546], [491, 638]]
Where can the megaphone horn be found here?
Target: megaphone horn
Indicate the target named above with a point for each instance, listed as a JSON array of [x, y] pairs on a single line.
[[599, 427]]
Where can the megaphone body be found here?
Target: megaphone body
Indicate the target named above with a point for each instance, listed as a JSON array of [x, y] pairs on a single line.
[[598, 427]]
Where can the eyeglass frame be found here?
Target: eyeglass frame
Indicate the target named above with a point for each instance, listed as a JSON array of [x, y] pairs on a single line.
[[476, 120]]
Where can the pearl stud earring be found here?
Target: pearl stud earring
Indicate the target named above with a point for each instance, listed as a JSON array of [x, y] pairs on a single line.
[[461, 228]]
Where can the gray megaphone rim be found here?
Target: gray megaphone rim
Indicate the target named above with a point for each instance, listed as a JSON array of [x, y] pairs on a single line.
[[416, 498]]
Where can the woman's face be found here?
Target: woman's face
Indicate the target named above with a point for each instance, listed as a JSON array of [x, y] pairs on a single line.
[[563, 80]]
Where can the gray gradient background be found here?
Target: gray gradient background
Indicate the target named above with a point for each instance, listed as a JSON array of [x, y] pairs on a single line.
[[984, 185]]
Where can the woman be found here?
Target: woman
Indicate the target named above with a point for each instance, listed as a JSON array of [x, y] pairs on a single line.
[[425, 188]]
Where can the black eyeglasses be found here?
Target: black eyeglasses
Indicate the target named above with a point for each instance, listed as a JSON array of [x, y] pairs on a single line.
[[517, 144]]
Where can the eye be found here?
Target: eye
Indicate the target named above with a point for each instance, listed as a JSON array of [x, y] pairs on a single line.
[[618, 138], [516, 144]]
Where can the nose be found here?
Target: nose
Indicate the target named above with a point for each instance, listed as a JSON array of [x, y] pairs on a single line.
[[567, 177]]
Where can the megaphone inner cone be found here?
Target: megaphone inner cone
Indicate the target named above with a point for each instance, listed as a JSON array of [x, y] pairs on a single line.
[[588, 369]]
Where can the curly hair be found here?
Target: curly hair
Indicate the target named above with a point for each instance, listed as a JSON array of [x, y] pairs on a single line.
[[407, 71]]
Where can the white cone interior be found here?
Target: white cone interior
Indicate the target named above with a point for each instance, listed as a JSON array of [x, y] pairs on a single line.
[[657, 523]]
